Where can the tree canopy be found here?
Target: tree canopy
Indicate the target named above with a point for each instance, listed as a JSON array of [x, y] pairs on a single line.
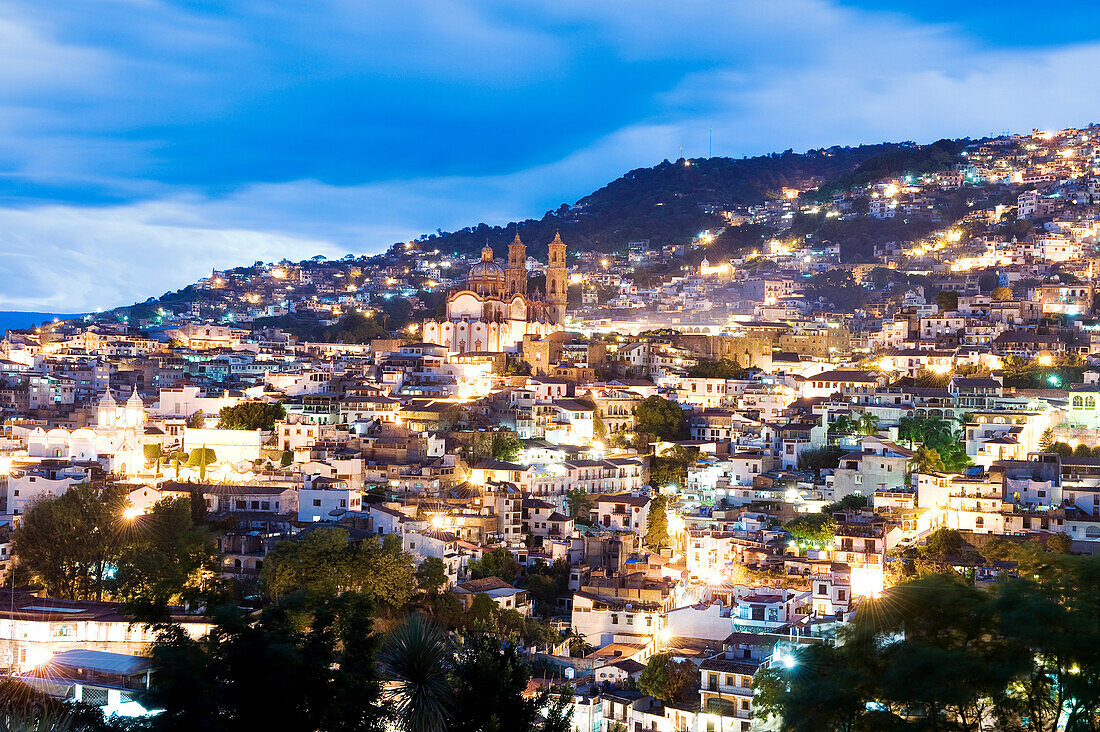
[[936, 653], [325, 562], [724, 368], [251, 416], [816, 529], [497, 563], [668, 680], [302, 664], [656, 534], [661, 418], [86, 544]]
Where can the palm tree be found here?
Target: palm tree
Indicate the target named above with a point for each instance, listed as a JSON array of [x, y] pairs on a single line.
[[909, 429], [578, 644], [925, 460], [841, 426], [416, 659], [867, 424]]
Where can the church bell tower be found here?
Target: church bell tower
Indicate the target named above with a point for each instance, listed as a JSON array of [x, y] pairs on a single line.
[[556, 281], [515, 276]]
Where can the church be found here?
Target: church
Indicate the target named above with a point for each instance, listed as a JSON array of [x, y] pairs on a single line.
[[494, 311]]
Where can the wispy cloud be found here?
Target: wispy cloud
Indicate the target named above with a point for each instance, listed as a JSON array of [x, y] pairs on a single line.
[[144, 142]]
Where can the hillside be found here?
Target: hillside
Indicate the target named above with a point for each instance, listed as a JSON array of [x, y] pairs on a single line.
[[668, 203]]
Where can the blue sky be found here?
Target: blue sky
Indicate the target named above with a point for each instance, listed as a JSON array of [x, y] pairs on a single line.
[[144, 141]]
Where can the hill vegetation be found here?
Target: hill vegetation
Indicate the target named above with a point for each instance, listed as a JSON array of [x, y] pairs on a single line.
[[672, 202]]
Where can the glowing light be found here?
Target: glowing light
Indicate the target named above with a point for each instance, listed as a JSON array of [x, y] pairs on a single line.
[[132, 513], [786, 660], [1045, 360], [939, 368], [38, 656], [867, 581], [676, 523]]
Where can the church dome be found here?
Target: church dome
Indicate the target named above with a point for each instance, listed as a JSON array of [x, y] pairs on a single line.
[[486, 277], [486, 269]]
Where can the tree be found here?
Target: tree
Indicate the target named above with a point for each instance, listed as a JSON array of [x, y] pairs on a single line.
[[517, 367], [579, 647], [506, 446], [200, 458], [302, 665], [489, 681], [559, 715], [546, 583], [483, 615], [1060, 543], [656, 534], [721, 369], [431, 575], [661, 418], [416, 658], [599, 427], [286, 459], [324, 562], [825, 457], [926, 460], [177, 459], [71, 543], [1062, 449], [850, 502], [197, 420], [815, 528], [251, 416], [497, 563], [841, 426], [670, 467], [947, 300], [165, 557], [1001, 293], [579, 504], [666, 679], [944, 543], [152, 452], [1046, 440], [921, 657], [867, 424]]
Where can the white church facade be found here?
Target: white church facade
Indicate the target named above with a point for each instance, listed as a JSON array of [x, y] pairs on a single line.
[[494, 311]]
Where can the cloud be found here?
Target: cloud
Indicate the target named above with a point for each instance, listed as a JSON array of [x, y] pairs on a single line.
[[145, 143], [69, 259]]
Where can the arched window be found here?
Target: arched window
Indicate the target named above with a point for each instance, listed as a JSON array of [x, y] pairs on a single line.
[[1090, 402], [1078, 402], [979, 523]]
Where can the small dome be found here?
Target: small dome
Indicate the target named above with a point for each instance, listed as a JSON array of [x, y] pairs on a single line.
[[485, 269]]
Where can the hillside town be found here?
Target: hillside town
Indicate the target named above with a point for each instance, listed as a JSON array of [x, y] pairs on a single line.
[[668, 471]]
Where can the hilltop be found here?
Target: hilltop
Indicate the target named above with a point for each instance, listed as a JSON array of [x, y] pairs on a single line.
[[671, 202]]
